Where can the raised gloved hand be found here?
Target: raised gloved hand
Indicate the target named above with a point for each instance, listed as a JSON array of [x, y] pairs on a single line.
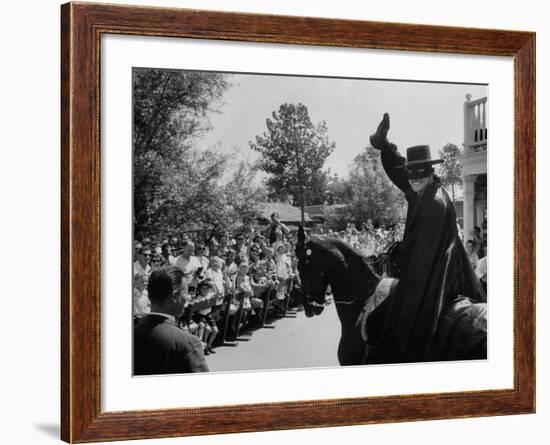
[[379, 140]]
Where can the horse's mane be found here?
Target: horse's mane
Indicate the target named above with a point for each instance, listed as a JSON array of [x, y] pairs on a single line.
[[350, 255]]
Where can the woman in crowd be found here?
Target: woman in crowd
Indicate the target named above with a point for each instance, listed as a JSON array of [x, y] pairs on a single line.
[[141, 304]]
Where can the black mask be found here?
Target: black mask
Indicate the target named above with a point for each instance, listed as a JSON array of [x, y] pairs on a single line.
[[419, 172]]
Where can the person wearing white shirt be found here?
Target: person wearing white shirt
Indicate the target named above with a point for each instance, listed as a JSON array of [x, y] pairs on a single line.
[[215, 274], [481, 272], [472, 255], [189, 264]]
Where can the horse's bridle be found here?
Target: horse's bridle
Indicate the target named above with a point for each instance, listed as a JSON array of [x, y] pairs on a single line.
[[305, 279]]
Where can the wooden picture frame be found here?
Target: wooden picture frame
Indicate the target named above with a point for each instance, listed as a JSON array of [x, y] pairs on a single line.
[[82, 26]]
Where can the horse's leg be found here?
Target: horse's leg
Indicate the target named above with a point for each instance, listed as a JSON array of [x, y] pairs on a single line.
[[351, 349]]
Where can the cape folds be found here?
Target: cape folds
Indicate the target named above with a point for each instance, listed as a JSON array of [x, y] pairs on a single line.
[[435, 272]]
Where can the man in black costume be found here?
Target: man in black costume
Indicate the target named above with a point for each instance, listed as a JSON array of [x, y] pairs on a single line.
[[434, 268]]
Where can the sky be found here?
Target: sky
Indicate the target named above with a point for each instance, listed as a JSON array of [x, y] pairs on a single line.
[[421, 113]]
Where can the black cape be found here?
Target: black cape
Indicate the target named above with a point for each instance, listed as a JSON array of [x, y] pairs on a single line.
[[435, 271]]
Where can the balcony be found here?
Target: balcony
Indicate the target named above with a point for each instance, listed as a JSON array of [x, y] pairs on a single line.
[[475, 125]]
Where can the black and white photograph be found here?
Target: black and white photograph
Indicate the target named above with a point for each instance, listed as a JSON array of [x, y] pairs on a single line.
[[300, 198], [289, 222]]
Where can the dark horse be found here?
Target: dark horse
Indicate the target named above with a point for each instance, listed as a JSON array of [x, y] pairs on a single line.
[[324, 261]]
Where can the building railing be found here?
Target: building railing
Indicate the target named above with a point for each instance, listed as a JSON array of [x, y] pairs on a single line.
[[475, 124]]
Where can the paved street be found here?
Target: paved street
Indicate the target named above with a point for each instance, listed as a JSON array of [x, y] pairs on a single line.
[[291, 342]]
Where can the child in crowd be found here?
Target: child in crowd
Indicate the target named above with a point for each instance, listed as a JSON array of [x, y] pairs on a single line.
[[194, 321], [220, 280], [207, 325], [283, 269], [260, 285], [268, 264], [231, 267], [244, 292]]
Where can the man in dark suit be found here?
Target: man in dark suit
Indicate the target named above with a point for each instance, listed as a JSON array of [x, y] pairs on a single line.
[[160, 346]]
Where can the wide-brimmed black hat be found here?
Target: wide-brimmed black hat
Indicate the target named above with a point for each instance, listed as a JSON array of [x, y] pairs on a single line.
[[420, 155]]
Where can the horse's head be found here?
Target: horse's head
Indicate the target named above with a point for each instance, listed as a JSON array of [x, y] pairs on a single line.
[[312, 272]]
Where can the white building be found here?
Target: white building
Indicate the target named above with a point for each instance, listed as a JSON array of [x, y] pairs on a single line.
[[474, 164]]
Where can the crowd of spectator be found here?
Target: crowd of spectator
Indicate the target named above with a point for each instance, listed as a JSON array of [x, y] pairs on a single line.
[[368, 240], [238, 269]]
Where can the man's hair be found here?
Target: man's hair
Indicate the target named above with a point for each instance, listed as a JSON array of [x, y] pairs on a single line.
[[163, 282]]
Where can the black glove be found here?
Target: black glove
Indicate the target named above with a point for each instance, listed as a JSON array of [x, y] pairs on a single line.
[[379, 140]]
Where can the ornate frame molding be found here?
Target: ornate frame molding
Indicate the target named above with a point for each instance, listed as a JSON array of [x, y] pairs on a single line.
[[81, 28]]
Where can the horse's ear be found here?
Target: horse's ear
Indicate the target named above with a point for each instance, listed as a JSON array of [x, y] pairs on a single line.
[[301, 236]]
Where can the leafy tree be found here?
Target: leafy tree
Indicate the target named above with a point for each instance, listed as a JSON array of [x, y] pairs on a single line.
[[170, 107], [187, 195], [451, 168], [316, 193], [373, 196], [293, 151], [338, 190], [175, 184], [242, 193]]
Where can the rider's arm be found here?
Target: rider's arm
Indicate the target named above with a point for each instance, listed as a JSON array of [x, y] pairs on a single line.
[[393, 163]]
